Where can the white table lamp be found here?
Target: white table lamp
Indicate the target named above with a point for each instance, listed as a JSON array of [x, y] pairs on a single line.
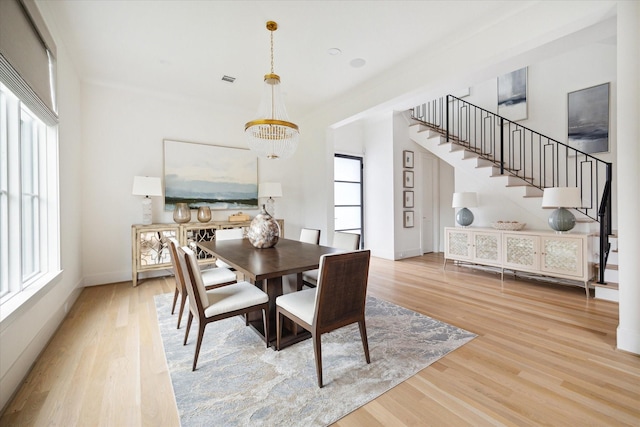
[[270, 190], [147, 186], [561, 220], [464, 200]]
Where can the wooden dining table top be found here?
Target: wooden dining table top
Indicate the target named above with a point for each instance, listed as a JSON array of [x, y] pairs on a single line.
[[286, 257]]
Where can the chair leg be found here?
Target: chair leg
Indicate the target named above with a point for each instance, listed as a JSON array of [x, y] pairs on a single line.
[[175, 299], [265, 321], [317, 349], [201, 326], [278, 328], [365, 342], [186, 332], [183, 300]]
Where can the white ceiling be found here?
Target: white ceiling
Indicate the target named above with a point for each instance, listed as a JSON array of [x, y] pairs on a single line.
[[183, 48]]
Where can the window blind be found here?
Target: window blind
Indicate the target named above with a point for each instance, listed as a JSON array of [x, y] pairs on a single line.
[[27, 57]]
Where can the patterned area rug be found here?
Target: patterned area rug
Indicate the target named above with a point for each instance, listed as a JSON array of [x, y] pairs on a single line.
[[240, 382]]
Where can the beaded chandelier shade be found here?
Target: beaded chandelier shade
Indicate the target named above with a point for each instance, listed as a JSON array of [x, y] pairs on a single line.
[[271, 134]]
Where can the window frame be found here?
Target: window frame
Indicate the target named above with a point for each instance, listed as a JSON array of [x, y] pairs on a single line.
[[15, 287]]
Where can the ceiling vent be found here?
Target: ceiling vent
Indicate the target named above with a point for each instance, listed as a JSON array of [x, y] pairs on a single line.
[[228, 79]]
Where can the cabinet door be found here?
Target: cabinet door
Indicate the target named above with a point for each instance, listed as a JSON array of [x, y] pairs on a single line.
[[487, 248], [521, 251], [195, 234], [562, 255], [458, 244], [153, 248]]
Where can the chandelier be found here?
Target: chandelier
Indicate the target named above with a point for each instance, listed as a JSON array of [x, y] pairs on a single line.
[[271, 134]]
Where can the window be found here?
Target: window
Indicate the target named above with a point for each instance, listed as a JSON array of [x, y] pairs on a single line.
[[348, 206], [29, 243]]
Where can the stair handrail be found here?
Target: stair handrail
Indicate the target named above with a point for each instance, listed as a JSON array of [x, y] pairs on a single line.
[[512, 159]]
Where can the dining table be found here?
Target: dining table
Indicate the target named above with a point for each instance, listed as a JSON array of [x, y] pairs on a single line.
[[265, 267]]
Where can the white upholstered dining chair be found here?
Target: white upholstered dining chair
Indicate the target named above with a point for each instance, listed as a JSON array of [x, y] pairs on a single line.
[[341, 240], [338, 301], [228, 234], [212, 278], [219, 303]]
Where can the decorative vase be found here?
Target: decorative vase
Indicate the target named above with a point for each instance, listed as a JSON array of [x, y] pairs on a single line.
[[181, 213], [204, 214], [264, 231]]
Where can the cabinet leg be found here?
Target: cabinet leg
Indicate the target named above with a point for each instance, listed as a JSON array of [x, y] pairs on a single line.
[[444, 266], [586, 289]]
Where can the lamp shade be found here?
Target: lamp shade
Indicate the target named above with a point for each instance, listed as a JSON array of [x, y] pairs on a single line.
[[146, 186], [464, 200], [270, 189], [561, 197]]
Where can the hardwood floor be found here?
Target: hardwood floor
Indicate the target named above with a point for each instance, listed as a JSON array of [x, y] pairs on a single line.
[[544, 355]]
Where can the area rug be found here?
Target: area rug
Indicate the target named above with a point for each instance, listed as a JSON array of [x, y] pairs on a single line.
[[239, 382]]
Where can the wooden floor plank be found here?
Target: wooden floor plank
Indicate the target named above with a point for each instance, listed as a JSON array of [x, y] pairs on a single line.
[[544, 355]]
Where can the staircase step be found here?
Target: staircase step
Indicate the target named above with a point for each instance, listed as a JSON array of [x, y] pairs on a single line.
[[607, 291]]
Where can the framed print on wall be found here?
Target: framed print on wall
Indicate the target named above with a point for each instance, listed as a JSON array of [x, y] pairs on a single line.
[[408, 158], [588, 119], [408, 219], [407, 179], [223, 178], [512, 95], [408, 199]]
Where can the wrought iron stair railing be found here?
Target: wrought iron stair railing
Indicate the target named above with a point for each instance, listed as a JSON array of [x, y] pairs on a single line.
[[516, 150]]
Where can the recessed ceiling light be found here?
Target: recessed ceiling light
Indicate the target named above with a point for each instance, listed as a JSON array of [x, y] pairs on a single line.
[[334, 51], [229, 79], [358, 63]]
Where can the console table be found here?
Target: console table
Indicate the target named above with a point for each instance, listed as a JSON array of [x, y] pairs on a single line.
[[149, 243], [566, 256]]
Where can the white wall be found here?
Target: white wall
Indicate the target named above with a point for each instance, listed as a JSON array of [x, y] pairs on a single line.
[[26, 332], [124, 132]]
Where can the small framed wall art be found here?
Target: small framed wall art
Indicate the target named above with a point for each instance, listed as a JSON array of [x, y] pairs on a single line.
[[408, 219], [588, 122], [407, 179], [408, 199], [408, 159]]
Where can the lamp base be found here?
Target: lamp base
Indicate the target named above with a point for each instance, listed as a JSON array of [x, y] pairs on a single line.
[[561, 220], [146, 211], [464, 217], [270, 207]]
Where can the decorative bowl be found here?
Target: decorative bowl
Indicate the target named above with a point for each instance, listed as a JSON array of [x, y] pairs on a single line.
[[508, 225]]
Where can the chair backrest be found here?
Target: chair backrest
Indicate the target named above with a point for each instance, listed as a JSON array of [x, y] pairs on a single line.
[[310, 235], [346, 241], [198, 299], [342, 289], [229, 234], [175, 262]]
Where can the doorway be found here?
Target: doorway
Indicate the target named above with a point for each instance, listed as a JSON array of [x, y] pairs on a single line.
[[348, 195]]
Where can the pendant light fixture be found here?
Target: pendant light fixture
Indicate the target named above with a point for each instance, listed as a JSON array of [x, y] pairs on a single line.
[[271, 134]]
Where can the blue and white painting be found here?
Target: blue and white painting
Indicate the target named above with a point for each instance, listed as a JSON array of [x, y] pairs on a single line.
[[222, 178], [512, 95], [589, 119]]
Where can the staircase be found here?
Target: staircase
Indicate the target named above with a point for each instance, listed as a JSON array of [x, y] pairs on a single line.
[[522, 162]]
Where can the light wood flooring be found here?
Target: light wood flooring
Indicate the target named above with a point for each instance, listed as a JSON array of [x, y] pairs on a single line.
[[544, 355]]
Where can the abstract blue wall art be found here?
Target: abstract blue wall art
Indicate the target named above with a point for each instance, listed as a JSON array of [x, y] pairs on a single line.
[[512, 95], [588, 126]]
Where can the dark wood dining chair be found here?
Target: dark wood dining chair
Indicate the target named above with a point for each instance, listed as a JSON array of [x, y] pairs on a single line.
[[219, 303], [212, 278], [338, 301]]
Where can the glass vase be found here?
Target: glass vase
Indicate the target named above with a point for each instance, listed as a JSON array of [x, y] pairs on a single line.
[[181, 213]]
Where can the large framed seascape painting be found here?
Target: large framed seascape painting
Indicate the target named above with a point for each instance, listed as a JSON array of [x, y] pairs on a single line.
[[223, 178], [588, 125], [512, 95]]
